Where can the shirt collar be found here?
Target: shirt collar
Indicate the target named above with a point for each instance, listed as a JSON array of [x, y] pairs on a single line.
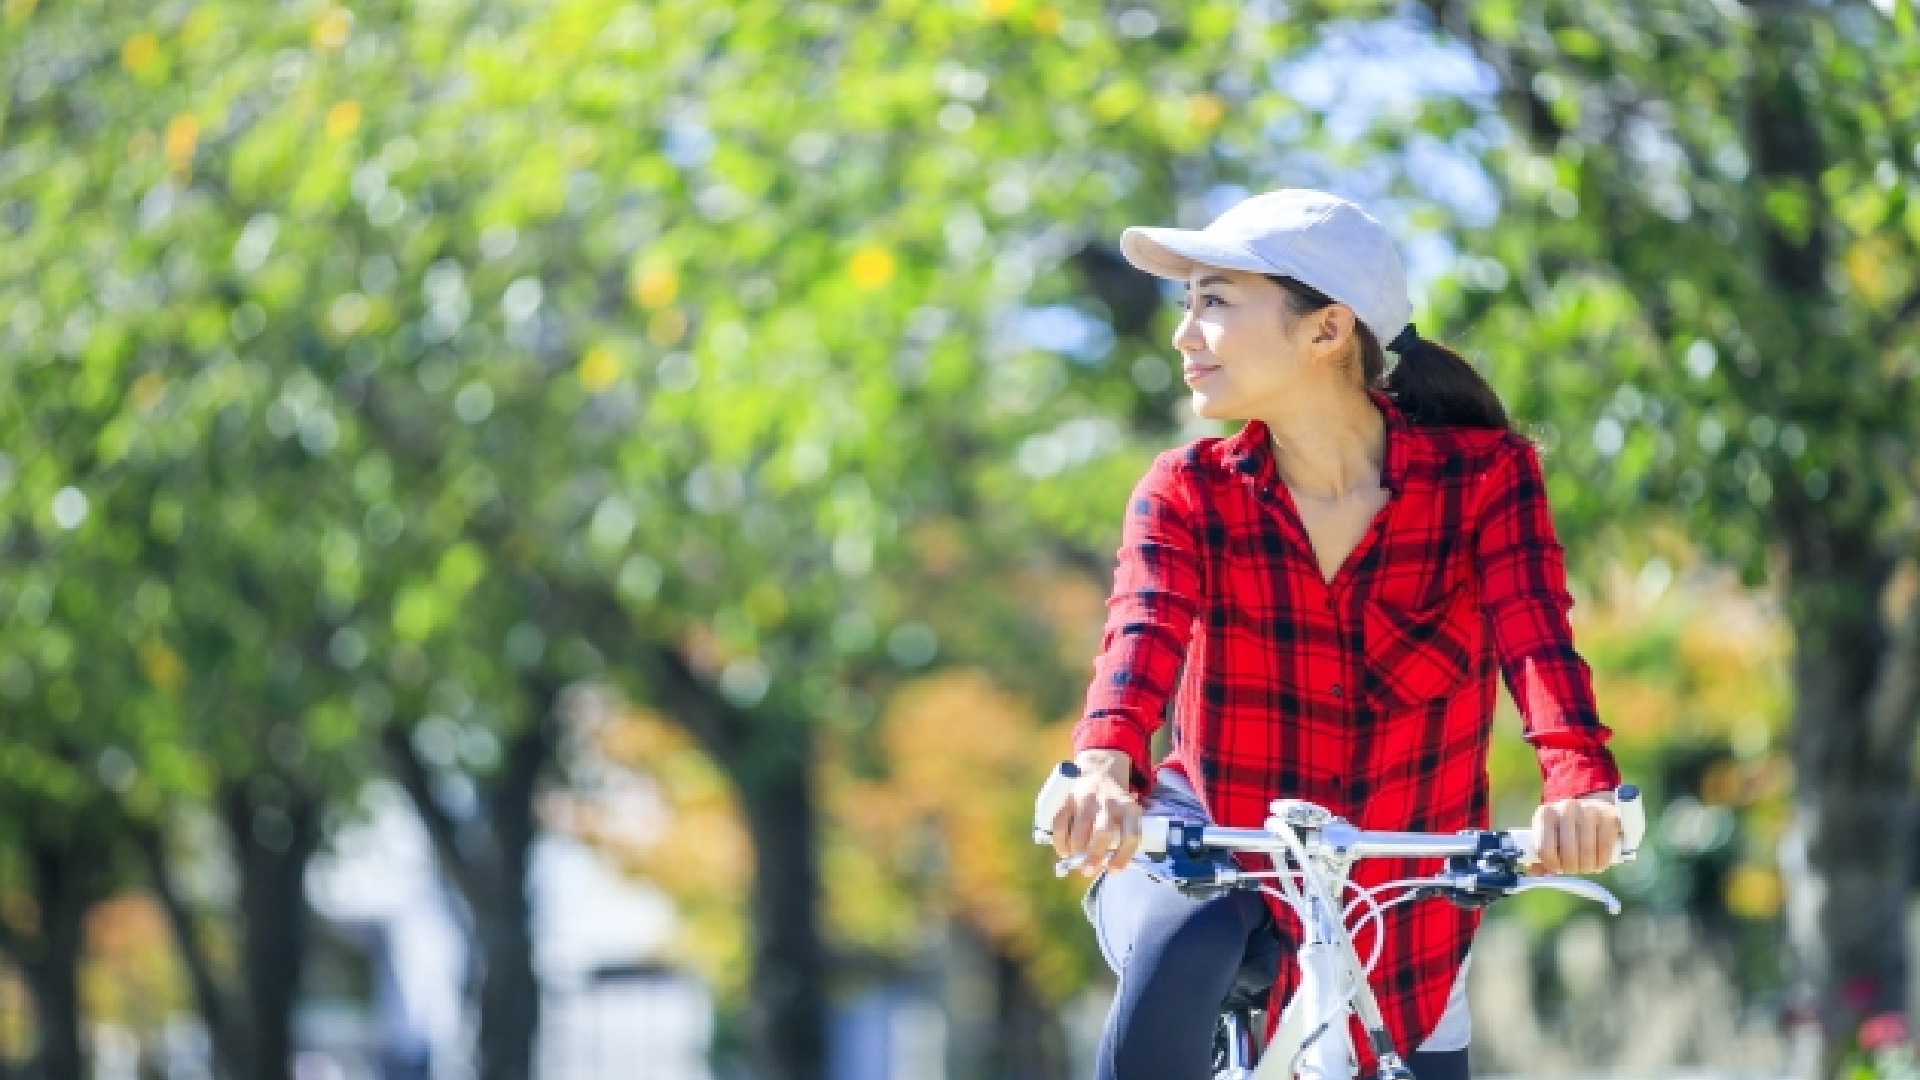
[[1250, 452]]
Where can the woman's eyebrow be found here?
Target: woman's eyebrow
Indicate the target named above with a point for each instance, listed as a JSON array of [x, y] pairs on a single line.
[[1212, 279]]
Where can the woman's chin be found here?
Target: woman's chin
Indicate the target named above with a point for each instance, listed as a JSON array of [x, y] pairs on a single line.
[[1209, 407]]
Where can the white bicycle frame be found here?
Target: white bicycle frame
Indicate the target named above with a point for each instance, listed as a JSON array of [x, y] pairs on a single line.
[[1313, 852]]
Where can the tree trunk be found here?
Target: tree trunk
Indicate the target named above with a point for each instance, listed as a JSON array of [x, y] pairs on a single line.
[[509, 992], [273, 840], [787, 998], [64, 880], [768, 757], [1031, 1044], [486, 857], [227, 1031], [1848, 853], [509, 988]]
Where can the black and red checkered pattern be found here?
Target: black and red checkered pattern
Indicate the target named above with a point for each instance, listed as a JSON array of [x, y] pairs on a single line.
[[1372, 695]]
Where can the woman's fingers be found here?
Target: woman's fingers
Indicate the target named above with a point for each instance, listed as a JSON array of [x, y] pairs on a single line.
[[1062, 825], [1546, 839], [1569, 836], [1100, 842], [1083, 804], [1127, 834], [1108, 835], [1575, 836], [1103, 828], [1593, 824], [1604, 834]]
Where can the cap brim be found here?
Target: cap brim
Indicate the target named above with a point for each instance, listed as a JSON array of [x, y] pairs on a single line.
[[1173, 253]]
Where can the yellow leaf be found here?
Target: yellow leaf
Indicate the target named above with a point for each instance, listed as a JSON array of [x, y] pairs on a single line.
[[656, 287], [331, 29], [182, 138], [1753, 891], [1205, 110], [162, 666], [1874, 267], [871, 268], [599, 368], [137, 55], [1048, 21], [998, 9], [343, 119]]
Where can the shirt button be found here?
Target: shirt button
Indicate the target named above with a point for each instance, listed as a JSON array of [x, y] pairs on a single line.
[[1336, 689]]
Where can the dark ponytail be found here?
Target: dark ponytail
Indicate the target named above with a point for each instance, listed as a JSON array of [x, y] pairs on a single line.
[[1432, 385]]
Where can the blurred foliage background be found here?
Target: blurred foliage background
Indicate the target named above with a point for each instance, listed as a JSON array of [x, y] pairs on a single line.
[[515, 401]]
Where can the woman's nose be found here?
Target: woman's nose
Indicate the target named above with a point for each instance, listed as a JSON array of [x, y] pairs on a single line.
[[1186, 336]]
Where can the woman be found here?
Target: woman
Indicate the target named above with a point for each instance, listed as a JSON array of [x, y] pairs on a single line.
[[1325, 596]]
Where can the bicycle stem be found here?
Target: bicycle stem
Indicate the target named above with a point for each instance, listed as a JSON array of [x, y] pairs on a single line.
[[1331, 921]]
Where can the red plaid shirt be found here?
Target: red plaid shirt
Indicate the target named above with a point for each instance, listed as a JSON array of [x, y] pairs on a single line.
[[1372, 696]]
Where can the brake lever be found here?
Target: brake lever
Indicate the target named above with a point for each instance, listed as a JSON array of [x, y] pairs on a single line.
[[1578, 886]]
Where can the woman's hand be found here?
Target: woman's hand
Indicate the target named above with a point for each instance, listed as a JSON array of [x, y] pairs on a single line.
[[1576, 836], [1100, 819]]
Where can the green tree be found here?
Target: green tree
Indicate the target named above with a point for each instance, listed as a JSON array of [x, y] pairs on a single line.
[[1706, 272], [190, 559]]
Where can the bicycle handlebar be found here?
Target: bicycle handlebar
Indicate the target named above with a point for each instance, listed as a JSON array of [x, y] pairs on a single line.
[[1482, 866], [1342, 837]]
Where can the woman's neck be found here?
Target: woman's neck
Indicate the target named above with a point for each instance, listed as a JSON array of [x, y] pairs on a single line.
[[1328, 444]]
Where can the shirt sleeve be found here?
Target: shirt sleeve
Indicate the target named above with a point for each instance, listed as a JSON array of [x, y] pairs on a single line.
[[1156, 591], [1524, 592]]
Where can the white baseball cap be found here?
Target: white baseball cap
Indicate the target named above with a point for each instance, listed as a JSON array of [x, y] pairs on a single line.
[[1310, 236]]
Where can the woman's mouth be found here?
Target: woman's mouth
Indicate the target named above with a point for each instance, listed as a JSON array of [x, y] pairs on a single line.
[[1194, 373]]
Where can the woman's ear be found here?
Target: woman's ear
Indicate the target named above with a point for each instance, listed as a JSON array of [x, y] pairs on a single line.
[[1332, 325]]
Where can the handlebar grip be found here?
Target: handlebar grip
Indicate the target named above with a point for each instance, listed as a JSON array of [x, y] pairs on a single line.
[[1523, 843], [1153, 835], [1633, 822], [1053, 795], [1633, 828]]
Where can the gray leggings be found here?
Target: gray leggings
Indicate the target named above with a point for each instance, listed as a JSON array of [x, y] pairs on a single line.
[[1180, 962]]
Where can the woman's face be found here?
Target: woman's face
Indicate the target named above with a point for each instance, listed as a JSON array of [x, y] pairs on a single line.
[[1244, 350]]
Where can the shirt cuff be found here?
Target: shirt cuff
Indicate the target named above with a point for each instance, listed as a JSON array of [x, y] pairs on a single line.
[[1113, 734], [1568, 773]]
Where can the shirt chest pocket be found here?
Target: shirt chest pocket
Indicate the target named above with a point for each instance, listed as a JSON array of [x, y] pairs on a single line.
[[1418, 655]]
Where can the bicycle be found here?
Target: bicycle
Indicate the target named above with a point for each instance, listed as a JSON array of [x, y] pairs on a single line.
[[1312, 1040]]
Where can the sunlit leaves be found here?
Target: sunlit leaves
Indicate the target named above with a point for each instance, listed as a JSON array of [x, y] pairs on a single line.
[[433, 310], [600, 366], [140, 53], [871, 268], [655, 287], [331, 29]]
